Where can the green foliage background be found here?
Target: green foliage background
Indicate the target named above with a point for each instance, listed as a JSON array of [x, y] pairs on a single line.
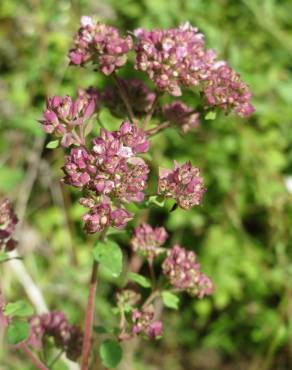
[[242, 232]]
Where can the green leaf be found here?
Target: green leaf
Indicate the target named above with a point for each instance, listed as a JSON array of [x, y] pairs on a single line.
[[157, 200], [170, 300], [17, 332], [210, 116], [139, 279], [19, 308], [53, 144], [111, 353], [101, 329], [110, 256]]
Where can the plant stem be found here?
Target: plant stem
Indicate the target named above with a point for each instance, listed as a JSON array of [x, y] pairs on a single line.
[[86, 345], [152, 274], [166, 124], [151, 298], [124, 96], [155, 130], [34, 359], [151, 111]]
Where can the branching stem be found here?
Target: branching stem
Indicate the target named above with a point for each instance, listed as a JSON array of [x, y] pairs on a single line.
[[125, 97], [34, 359]]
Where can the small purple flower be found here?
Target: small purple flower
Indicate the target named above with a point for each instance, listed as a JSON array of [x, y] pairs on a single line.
[[55, 324], [120, 217], [173, 58], [62, 115], [181, 115], [79, 168], [148, 240], [144, 323], [183, 183], [133, 137], [184, 272], [100, 44], [140, 97], [98, 218], [225, 89], [8, 221], [103, 215]]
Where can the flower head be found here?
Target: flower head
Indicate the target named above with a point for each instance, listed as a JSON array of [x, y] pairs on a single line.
[[8, 221], [184, 273], [181, 115], [111, 168], [148, 240], [144, 323], [225, 89], [62, 114], [100, 44], [55, 324], [183, 183], [103, 215], [173, 58]]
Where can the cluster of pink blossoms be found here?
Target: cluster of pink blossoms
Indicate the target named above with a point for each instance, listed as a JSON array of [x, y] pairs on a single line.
[[177, 58], [8, 221], [142, 320], [100, 44], [183, 183], [140, 97], [225, 89], [63, 115], [183, 271], [173, 58], [181, 115], [55, 325], [112, 173], [147, 240], [145, 323]]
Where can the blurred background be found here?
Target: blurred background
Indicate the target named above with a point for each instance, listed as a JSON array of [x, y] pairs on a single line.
[[241, 233]]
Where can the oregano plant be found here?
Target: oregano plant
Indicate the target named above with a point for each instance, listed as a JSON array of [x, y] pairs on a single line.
[[111, 172]]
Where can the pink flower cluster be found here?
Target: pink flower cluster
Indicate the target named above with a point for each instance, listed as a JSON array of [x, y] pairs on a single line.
[[55, 324], [140, 97], [183, 271], [8, 221], [183, 183], [181, 115], [144, 323], [100, 44], [225, 89], [111, 172], [63, 115], [177, 58], [148, 241], [173, 58]]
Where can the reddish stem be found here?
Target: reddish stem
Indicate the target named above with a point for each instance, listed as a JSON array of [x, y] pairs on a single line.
[[86, 346], [34, 359], [151, 111], [155, 130], [125, 97]]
